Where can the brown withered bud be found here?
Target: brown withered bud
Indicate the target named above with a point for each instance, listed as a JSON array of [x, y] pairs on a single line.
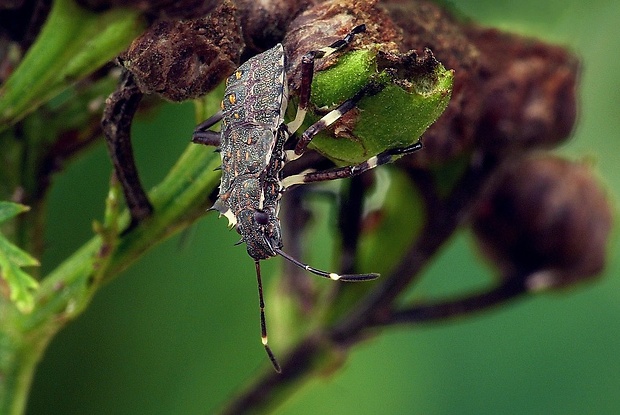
[[530, 101], [328, 22], [510, 92], [158, 9], [545, 217], [265, 22], [186, 59]]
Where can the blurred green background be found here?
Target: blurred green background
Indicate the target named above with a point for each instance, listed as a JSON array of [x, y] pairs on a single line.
[[178, 332]]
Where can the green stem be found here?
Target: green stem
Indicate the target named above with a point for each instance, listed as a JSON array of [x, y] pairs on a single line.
[[20, 356], [179, 200]]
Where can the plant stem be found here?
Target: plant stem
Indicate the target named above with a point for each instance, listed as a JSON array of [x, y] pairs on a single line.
[[179, 200], [19, 356]]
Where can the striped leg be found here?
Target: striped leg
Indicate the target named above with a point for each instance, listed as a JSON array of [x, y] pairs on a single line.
[[202, 134], [307, 73], [371, 89], [387, 156], [307, 63]]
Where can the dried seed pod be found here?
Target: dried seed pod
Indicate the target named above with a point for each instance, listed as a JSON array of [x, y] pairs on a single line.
[[545, 216], [186, 59]]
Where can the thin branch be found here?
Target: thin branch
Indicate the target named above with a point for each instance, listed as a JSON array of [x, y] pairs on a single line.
[[510, 289], [441, 224], [301, 360], [118, 115]]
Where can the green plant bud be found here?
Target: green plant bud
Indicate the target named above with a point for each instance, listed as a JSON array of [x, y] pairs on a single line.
[[416, 90]]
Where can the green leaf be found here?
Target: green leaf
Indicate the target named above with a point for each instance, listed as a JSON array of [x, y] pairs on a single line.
[[9, 210], [73, 43], [12, 258]]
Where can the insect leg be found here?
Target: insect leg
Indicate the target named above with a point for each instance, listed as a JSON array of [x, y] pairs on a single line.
[[202, 134], [263, 325], [307, 63], [385, 157], [370, 89], [307, 73], [118, 114]]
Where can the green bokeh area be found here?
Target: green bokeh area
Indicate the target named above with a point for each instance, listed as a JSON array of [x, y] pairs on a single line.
[[178, 332]]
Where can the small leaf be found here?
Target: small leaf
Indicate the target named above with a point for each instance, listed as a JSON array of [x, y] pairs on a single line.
[[12, 258], [9, 210]]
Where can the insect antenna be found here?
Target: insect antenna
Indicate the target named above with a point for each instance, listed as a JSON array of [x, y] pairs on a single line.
[[325, 274], [263, 325]]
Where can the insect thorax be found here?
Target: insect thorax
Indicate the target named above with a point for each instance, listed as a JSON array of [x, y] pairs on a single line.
[[257, 91]]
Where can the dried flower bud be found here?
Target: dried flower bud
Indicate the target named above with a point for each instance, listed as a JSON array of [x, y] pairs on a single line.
[[545, 216], [531, 99], [186, 59]]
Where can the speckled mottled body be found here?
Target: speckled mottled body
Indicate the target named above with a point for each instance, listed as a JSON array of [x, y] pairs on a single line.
[[251, 143], [252, 150]]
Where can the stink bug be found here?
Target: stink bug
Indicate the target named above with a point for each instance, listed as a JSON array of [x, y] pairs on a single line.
[[251, 145]]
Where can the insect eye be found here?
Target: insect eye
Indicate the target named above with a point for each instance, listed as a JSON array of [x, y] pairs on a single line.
[[261, 217]]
